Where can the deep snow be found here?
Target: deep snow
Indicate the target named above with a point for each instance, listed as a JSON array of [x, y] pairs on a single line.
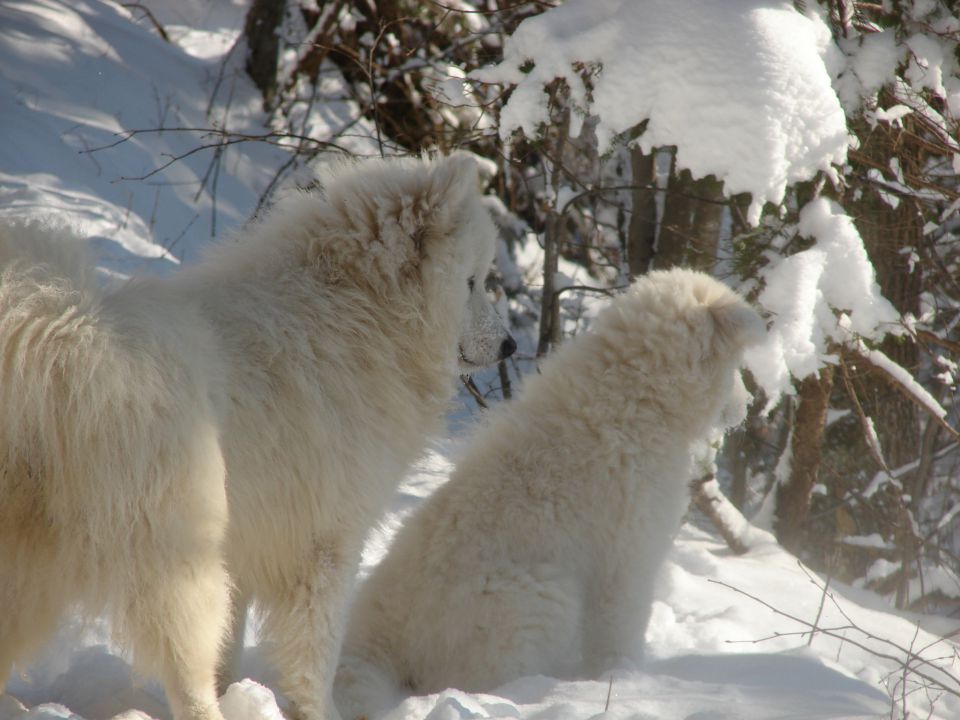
[[74, 73]]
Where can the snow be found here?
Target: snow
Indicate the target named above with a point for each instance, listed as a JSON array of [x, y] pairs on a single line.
[[869, 63], [926, 64], [714, 652], [204, 30], [739, 87], [873, 540], [87, 74], [805, 292], [73, 74], [904, 379]]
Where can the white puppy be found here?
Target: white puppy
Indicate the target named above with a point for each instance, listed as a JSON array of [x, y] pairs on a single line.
[[539, 554], [248, 416]]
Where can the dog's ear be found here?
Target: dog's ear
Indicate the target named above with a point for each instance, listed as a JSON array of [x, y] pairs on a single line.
[[449, 198], [457, 175], [736, 324]]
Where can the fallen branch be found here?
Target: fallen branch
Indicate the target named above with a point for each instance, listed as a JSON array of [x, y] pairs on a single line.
[[869, 434], [710, 500]]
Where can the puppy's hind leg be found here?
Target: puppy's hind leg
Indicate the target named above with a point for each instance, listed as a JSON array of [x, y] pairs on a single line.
[[363, 689]]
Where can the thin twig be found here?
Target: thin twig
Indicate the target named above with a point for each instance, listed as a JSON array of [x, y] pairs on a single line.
[[835, 632], [472, 388], [865, 423], [272, 138], [150, 16], [823, 600]]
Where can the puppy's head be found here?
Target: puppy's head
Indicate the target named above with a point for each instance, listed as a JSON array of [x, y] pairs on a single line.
[[683, 316], [682, 334]]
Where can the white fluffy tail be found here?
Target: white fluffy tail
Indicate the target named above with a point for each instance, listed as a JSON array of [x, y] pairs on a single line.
[[46, 288]]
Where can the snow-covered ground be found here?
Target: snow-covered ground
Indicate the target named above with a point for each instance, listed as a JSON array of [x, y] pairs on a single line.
[[716, 651], [726, 638]]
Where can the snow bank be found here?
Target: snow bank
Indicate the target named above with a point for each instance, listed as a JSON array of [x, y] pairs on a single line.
[[739, 87]]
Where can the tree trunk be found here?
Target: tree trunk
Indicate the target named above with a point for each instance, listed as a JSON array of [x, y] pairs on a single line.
[[707, 220], [552, 241], [736, 448], [642, 232], [261, 30], [675, 227], [692, 216], [550, 302], [806, 442]]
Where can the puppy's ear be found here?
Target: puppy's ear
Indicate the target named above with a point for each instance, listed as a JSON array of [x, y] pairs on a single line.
[[736, 324]]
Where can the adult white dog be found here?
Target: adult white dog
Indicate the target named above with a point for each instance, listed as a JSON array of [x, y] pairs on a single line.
[[235, 428], [538, 556]]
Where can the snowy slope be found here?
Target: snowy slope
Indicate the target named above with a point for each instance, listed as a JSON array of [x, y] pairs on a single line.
[[77, 76], [73, 73]]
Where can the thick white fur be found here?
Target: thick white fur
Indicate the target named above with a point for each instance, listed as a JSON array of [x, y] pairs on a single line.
[[539, 554], [233, 430]]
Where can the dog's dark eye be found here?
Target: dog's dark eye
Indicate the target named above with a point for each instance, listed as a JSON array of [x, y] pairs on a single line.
[[471, 281]]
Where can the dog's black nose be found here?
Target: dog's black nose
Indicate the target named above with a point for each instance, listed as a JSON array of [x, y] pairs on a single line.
[[507, 348]]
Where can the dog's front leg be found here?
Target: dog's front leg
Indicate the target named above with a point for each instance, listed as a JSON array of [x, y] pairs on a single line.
[[304, 630]]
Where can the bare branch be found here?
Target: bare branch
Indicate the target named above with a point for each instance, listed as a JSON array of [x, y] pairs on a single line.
[[147, 13], [949, 684]]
